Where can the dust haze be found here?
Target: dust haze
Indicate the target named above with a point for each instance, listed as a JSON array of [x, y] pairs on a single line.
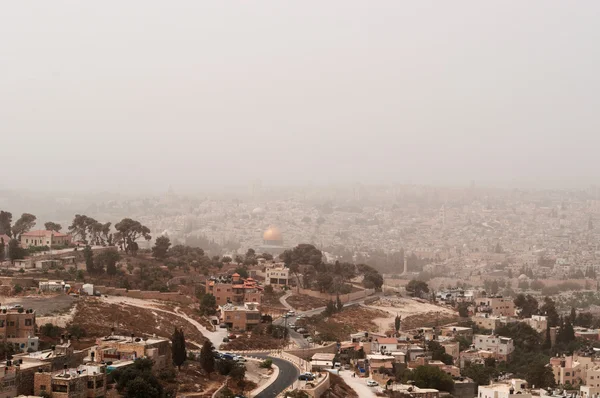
[[136, 96]]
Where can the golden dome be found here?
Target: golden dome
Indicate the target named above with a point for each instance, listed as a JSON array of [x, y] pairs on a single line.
[[273, 234]]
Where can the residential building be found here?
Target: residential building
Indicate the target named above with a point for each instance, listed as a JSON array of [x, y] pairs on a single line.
[[456, 331], [500, 347], [486, 321], [379, 361], [44, 238], [113, 348], [234, 290], [537, 322], [277, 276], [414, 391], [85, 381], [515, 388], [16, 377], [588, 334], [497, 305], [589, 391], [62, 354], [17, 326], [240, 317], [384, 344], [592, 377], [320, 361], [452, 348]]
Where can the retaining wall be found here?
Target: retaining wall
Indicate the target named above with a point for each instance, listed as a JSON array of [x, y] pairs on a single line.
[[344, 298]]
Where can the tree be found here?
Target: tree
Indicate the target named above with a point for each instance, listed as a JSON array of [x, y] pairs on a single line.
[[52, 226], [536, 285], [566, 334], [397, 322], [549, 309], [463, 310], [480, 374], [330, 308], [88, 254], [226, 260], [432, 377], [494, 287], [131, 230], [417, 288], [438, 353], [15, 251], [107, 259], [324, 281], [338, 303], [527, 304], [540, 375], [23, 224], [573, 315], [2, 249], [138, 381], [303, 254], [80, 226], [207, 357], [179, 352], [208, 304], [5, 223], [161, 247]]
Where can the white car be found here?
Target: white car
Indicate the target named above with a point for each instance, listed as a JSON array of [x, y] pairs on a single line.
[[291, 313], [372, 383], [240, 358]]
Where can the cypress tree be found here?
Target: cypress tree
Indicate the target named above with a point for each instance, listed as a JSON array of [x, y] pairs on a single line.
[[179, 353]]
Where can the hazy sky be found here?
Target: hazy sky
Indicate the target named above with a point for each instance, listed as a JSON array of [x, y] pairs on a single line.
[[143, 94]]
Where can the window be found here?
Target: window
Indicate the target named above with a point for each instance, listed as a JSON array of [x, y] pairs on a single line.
[[568, 374], [91, 384], [27, 322], [11, 323], [59, 388], [1, 323]]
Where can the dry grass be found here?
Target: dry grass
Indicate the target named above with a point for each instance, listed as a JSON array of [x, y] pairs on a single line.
[[428, 319], [97, 318], [339, 388], [339, 326], [305, 303]]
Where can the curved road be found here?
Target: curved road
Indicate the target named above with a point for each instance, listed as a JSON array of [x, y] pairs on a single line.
[[288, 374]]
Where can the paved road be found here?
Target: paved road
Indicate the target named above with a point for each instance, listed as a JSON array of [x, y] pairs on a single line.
[[288, 374]]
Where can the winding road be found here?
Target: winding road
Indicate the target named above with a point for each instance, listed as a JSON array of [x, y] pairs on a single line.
[[288, 374]]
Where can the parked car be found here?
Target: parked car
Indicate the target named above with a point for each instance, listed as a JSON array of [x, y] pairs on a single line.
[[223, 326], [229, 356], [217, 355], [306, 377], [291, 313], [347, 366], [240, 358], [232, 336], [292, 326], [225, 340], [372, 383]]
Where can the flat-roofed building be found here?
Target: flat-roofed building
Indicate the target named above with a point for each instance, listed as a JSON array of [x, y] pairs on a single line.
[[85, 381], [122, 348], [240, 317]]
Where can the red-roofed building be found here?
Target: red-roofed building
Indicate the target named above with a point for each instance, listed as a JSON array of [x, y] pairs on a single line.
[[44, 238], [234, 290]]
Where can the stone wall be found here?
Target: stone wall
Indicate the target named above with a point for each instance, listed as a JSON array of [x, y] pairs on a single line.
[[343, 297], [145, 294], [309, 352], [319, 390]]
